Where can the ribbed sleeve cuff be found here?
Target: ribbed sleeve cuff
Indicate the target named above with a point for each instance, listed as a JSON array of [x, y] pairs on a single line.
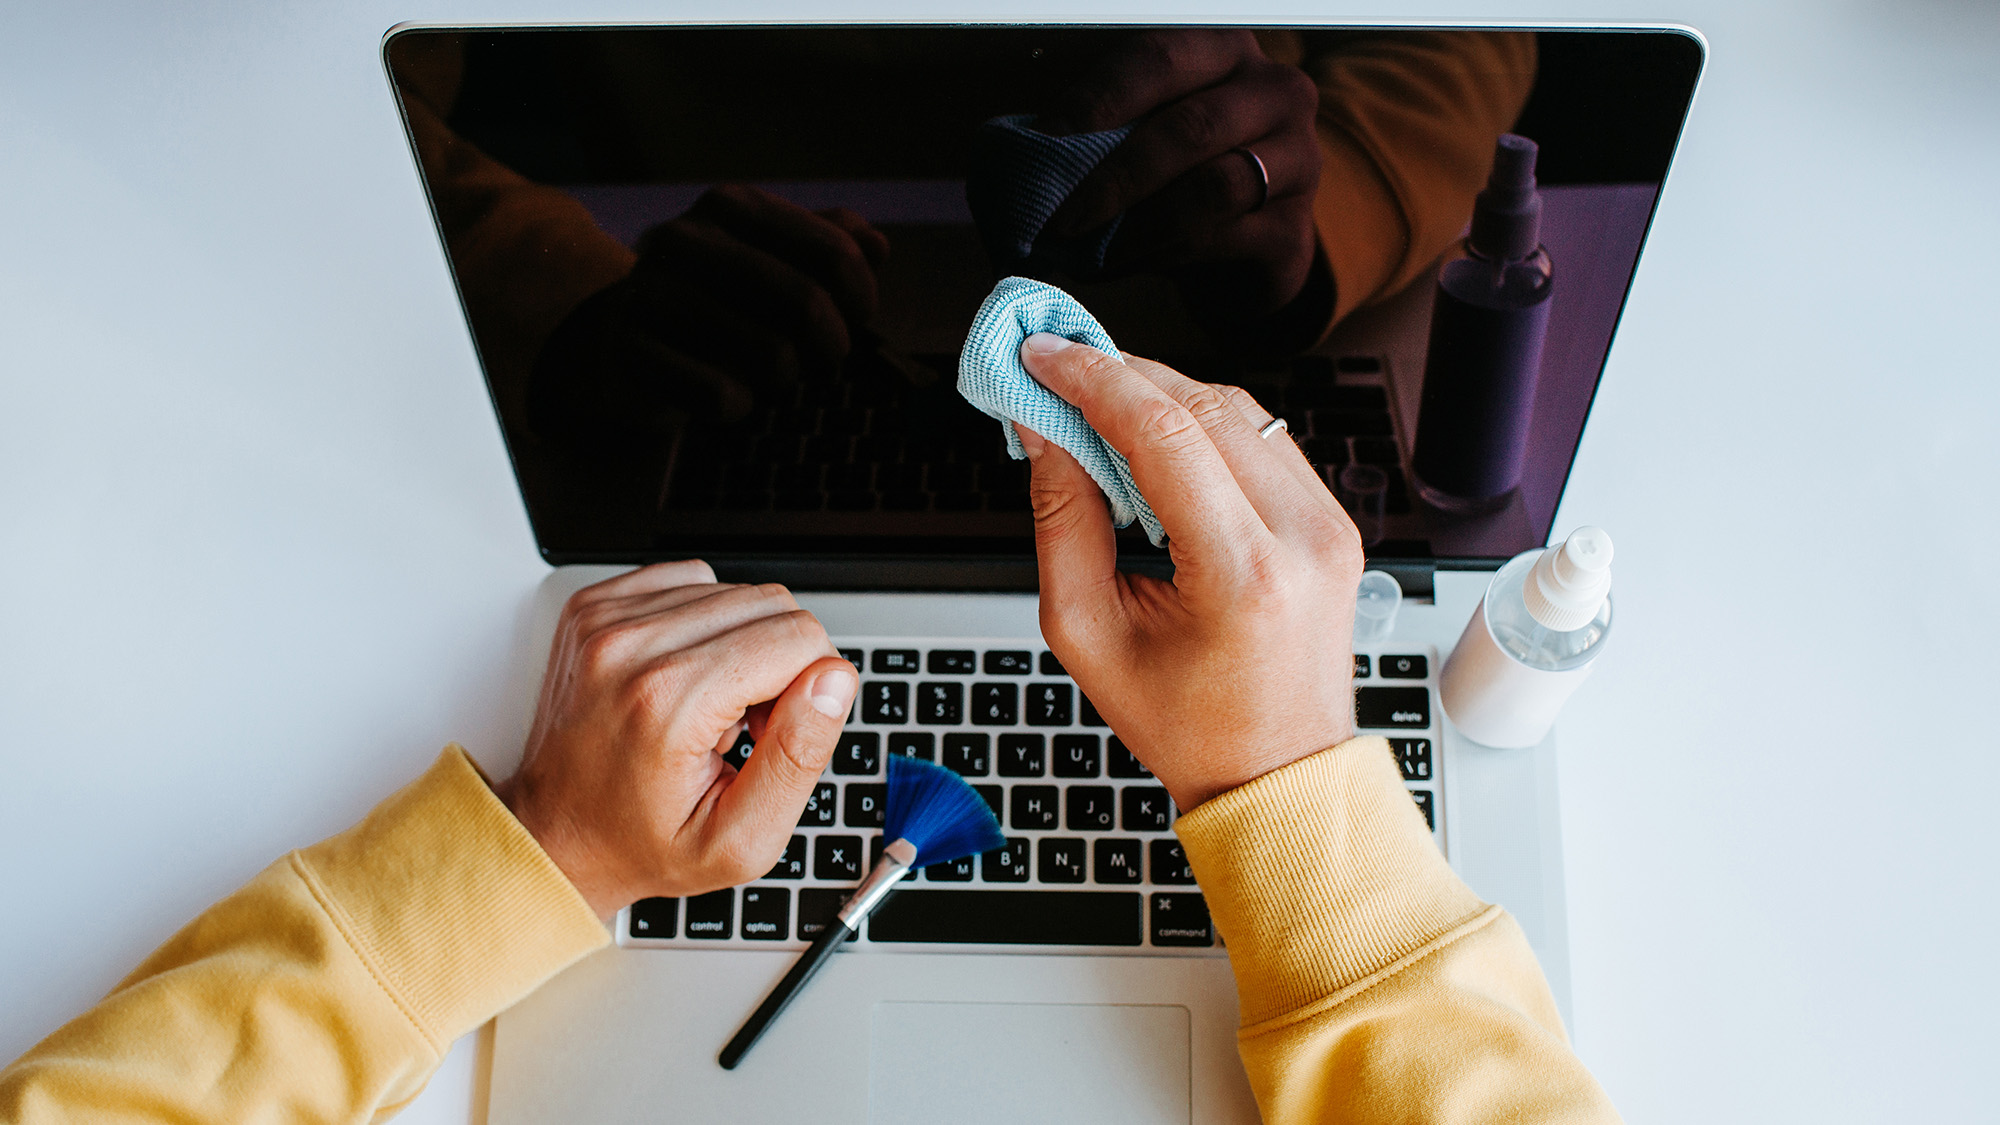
[[1319, 875], [453, 905]]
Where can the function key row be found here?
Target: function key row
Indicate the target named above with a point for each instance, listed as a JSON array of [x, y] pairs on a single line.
[[952, 703], [1052, 859], [1013, 917], [1392, 666], [1030, 808], [971, 754], [955, 662]]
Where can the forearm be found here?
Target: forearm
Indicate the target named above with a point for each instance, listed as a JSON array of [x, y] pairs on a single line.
[[329, 987], [1375, 985]]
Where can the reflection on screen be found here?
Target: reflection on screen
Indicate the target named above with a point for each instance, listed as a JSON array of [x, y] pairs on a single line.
[[719, 278]]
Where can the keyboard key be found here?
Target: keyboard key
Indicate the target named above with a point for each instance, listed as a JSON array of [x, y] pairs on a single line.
[[1414, 756], [1116, 861], [1425, 803], [767, 913], [1392, 707], [654, 918], [819, 907], [1170, 863], [1088, 808], [1051, 666], [966, 755], [885, 701], [940, 704], [952, 662], [1124, 763], [1076, 755], [712, 915], [1006, 864], [1404, 667], [859, 752], [1049, 705], [1023, 755], [739, 751], [819, 812], [957, 871], [839, 858], [864, 805], [1035, 806], [1006, 663], [791, 865], [914, 744], [1060, 860], [1181, 919], [893, 660], [1360, 667], [994, 797], [852, 656], [1146, 808], [1010, 917], [994, 705], [1090, 716]]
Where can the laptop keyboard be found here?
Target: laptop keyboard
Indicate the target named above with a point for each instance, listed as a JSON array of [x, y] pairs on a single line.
[[1091, 861]]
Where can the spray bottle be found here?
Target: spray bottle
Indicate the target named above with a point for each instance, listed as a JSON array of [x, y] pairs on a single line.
[[1533, 639]]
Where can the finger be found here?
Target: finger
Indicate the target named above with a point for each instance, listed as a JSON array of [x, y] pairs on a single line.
[[1247, 266], [647, 579], [1182, 136], [874, 244], [1175, 465], [774, 292], [698, 621], [1145, 72], [1076, 548], [756, 814], [824, 250], [682, 313], [1183, 214], [1288, 452], [1256, 462]]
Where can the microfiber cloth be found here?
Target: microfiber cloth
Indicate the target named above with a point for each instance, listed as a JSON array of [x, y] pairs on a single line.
[[991, 377], [1016, 177]]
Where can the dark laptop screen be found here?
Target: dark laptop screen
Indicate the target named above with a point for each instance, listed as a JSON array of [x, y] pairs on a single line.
[[718, 277]]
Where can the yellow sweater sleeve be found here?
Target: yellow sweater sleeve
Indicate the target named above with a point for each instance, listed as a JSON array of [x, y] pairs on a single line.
[[329, 987], [1375, 986]]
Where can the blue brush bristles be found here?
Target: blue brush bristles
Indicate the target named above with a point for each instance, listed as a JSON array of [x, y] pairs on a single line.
[[936, 810]]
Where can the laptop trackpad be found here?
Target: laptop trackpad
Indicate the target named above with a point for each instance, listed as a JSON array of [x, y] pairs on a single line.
[[1052, 1064]]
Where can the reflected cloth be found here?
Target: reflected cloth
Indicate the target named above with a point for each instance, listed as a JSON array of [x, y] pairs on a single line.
[[991, 377], [1015, 179]]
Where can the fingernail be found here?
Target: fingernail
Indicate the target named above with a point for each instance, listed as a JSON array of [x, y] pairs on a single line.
[[1032, 443], [1045, 342], [833, 692]]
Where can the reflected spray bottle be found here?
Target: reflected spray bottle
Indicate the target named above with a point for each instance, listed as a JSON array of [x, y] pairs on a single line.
[[1489, 316], [1533, 639]]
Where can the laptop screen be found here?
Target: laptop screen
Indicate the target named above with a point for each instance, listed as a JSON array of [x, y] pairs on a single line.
[[719, 277]]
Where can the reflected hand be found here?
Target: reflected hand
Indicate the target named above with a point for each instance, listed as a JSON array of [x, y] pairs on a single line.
[[651, 675], [1242, 663], [745, 290], [1191, 201]]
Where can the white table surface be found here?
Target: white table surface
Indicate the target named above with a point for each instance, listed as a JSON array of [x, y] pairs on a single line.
[[260, 553]]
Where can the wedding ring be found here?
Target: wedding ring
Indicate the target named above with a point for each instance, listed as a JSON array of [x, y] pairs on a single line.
[[1263, 178], [1274, 426]]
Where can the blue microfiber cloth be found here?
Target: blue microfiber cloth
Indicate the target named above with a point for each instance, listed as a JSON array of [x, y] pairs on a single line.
[[1015, 179], [991, 377]]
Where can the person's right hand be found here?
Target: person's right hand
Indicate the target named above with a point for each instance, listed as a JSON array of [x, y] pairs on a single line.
[[744, 291], [1243, 662], [651, 676]]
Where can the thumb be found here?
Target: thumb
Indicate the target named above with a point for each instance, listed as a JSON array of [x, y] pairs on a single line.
[[761, 807], [1076, 548]]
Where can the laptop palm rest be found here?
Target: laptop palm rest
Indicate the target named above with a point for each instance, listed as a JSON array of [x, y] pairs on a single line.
[[1053, 1064]]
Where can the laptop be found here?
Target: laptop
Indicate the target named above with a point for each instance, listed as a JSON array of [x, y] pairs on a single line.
[[717, 276]]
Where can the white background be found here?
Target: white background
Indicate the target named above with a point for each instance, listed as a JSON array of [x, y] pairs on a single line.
[[261, 555]]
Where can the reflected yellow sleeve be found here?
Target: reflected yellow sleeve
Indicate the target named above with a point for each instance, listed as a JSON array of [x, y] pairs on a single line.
[[329, 987], [1375, 986]]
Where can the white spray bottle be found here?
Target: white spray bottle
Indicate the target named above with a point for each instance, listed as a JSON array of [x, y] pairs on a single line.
[[1532, 640]]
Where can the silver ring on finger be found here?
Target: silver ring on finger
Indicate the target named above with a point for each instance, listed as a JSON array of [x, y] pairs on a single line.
[[1274, 426], [1263, 178]]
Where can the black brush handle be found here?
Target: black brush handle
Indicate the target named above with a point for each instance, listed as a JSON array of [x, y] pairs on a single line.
[[781, 997]]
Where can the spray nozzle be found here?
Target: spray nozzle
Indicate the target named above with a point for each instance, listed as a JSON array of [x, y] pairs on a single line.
[[1507, 216], [1569, 583]]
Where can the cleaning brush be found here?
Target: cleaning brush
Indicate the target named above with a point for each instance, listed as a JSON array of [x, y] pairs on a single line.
[[930, 815]]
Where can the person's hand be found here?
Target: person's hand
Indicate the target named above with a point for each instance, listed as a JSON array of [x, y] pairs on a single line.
[[1193, 204], [744, 291], [1243, 663], [651, 676]]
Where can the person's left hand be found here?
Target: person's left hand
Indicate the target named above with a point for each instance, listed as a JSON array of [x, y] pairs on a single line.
[[1194, 205], [651, 676]]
